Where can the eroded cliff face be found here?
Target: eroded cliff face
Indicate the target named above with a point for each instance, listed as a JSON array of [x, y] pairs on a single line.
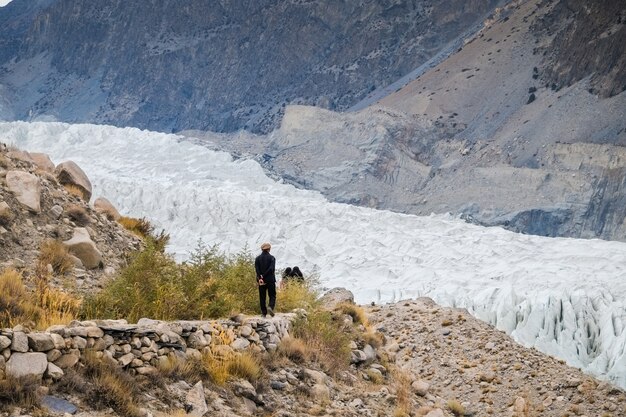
[[218, 66], [506, 131]]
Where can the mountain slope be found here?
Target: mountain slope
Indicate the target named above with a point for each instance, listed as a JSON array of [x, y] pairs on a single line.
[[504, 132], [218, 66]]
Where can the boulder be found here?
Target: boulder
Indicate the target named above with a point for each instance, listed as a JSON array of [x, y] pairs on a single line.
[[27, 189], [42, 161], [19, 342], [5, 342], [420, 387], [54, 371], [104, 206], [20, 156], [240, 344], [335, 297], [40, 342], [6, 215], [27, 365], [81, 246], [68, 360], [196, 401], [68, 173]]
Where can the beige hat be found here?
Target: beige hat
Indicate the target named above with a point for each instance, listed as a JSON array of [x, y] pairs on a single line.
[[266, 246]]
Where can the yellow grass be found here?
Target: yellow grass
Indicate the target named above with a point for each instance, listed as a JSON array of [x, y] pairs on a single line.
[[456, 408], [294, 348], [75, 191], [403, 392], [356, 312], [55, 253]]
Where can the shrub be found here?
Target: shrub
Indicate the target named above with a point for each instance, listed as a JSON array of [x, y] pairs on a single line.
[[326, 339], [456, 408], [403, 392], [78, 215], [356, 312], [294, 349], [15, 307], [110, 386], [244, 365], [297, 294], [55, 253], [18, 392], [39, 309], [76, 191], [145, 230]]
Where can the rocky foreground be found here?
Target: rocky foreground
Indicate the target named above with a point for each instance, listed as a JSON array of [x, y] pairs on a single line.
[[428, 361]]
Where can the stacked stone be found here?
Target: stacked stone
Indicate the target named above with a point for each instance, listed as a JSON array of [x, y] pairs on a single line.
[[140, 347]]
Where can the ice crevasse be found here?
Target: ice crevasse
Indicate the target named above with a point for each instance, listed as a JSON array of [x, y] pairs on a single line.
[[566, 297]]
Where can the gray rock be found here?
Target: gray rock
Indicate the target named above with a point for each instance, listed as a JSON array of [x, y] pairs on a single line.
[[358, 356], [5, 342], [68, 360], [68, 173], [81, 246], [27, 189], [278, 385], [56, 211], [42, 161], [58, 405], [126, 359], [335, 297], [59, 342], [26, 365], [320, 393], [40, 342], [244, 388], [195, 399], [104, 206], [6, 214], [370, 353], [420, 387], [54, 371], [19, 342], [53, 355], [240, 344]]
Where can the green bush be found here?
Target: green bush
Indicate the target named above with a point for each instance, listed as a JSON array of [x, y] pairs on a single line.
[[210, 284]]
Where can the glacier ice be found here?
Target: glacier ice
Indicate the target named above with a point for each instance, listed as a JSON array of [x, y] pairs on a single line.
[[566, 297]]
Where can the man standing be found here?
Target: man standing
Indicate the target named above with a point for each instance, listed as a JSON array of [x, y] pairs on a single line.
[[266, 280]]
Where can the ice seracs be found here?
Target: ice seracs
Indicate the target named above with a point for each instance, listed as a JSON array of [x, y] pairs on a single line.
[[567, 297]]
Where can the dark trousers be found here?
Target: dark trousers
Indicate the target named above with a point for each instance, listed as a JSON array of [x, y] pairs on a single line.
[[267, 289]]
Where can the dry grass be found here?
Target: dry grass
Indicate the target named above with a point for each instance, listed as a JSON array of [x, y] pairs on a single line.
[[326, 339], [374, 376], [244, 365], [5, 218], [374, 339], [110, 387], [295, 349], [402, 382], [145, 230], [55, 253], [78, 215], [76, 191], [176, 369], [455, 407], [38, 309], [15, 307], [18, 393], [296, 294], [356, 312]]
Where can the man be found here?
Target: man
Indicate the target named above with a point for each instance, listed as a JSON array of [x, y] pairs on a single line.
[[266, 280]]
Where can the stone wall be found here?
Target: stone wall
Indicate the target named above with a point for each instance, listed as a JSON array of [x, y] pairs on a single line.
[[137, 347]]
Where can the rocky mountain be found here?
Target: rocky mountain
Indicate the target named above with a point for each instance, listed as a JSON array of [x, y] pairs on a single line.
[[523, 126], [219, 66]]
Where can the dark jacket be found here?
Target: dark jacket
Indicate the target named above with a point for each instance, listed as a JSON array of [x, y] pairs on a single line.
[[265, 265]]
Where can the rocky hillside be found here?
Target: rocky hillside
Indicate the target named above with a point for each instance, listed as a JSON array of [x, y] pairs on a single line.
[[43, 210], [212, 66], [506, 131], [408, 359]]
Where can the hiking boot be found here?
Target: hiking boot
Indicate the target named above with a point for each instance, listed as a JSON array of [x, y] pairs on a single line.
[[271, 311]]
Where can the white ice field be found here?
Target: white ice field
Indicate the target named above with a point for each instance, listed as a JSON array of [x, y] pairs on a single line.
[[566, 297]]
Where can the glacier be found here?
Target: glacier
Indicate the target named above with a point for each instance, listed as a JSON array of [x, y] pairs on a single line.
[[564, 297]]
